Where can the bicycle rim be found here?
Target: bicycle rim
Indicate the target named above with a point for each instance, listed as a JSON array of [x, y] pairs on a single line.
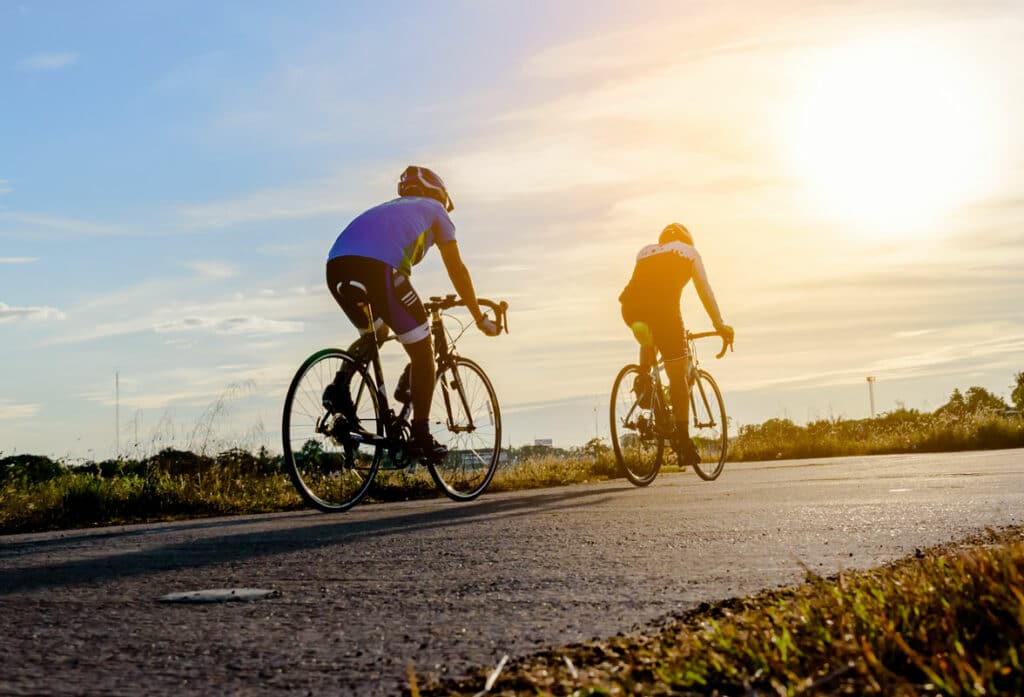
[[465, 418], [709, 427], [637, 444], [331, 459]]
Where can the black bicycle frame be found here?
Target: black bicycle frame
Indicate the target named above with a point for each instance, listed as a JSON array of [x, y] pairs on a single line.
[[445, 359]]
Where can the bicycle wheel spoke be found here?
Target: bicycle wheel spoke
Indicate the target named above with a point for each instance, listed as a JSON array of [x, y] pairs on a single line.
[[710, 427], [465, 418], [635, 439], [330, 470]]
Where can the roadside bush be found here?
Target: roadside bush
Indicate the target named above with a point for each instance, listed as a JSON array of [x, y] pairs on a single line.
[[178, 463], [243, 462], [30, 469], [110, 468], [902, 431]]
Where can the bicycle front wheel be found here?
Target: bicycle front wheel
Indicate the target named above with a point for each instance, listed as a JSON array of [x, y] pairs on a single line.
[[332, 452], [638, 445], [465, 418], [709, 428]]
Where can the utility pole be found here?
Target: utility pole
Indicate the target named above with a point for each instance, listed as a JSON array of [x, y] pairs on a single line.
[[117, 413], [871, 393]]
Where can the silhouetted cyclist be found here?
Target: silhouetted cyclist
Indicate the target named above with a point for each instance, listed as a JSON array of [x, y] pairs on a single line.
[[650, 306]]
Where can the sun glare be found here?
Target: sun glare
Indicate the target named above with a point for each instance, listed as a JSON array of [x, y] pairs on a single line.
[[891, 135]]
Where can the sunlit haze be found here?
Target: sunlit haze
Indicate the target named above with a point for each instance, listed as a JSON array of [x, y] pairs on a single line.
[[893, 134], [172, 178]]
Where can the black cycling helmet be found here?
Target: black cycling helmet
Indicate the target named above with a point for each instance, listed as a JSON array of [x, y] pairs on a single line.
[[675, 231], [420, 181]]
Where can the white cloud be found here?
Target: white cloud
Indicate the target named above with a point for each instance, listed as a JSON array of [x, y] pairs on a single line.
[[230, 326], [48, 61], [5, 186], [18, 260], [212, 269], [8, 313], [10, 410], [42, 224], [321, 197], [340, 196], [144, 308]]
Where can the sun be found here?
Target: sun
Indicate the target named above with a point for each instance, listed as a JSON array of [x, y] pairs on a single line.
[[891, 135]]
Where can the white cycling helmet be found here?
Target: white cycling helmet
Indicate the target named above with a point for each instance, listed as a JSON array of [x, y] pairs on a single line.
[[675, 231]]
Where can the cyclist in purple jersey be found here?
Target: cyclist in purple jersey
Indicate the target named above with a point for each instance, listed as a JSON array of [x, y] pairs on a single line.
[[650, 306], [375, 254]]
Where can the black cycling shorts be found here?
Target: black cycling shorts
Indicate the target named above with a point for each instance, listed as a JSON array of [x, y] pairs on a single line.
[[666, 328], [393, 300]]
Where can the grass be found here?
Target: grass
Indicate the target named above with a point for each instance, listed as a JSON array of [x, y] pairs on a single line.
[[901, 431], [948, 621], [37, 493], [78, 499]]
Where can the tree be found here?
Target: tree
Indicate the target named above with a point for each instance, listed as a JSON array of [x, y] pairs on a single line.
[[976, 400], [979, 399], [1018, 392], [955, 406]]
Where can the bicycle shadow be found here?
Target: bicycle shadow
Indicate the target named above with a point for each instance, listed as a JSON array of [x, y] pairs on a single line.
[[231, 547]]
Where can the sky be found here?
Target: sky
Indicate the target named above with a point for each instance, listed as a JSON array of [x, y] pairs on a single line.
[[173, 174]]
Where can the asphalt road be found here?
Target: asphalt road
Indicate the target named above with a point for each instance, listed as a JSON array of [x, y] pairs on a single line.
[[449, 586]]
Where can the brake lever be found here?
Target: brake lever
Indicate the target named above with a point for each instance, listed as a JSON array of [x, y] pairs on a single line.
[[504, 314], [726, 346]]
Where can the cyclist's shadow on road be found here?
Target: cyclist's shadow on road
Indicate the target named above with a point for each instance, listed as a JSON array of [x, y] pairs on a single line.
[[233, 545]]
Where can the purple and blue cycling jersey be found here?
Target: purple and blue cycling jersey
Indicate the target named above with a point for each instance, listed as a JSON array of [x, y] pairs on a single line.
[[398, 232]]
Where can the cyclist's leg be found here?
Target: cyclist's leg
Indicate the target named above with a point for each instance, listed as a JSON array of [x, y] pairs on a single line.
[[350, 280], [666, 327], [669, 338], [366, 275], [422, 374], [404, 313], [634, 319]]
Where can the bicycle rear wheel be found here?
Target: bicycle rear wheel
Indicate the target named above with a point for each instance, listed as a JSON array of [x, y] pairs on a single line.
[[465, 418], [709, 427], [331, 455], [638, 445]]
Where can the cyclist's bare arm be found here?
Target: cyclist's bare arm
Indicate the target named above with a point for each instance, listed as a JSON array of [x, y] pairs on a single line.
[[707, 298], [461, 279], [704, 292]]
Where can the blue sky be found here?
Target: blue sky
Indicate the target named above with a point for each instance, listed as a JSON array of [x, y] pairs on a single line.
[[171, 176]]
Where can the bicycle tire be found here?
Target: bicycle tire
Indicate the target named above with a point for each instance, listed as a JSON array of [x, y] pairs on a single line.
[[709, 426], [638, 447], [472, 459], [332, 470]]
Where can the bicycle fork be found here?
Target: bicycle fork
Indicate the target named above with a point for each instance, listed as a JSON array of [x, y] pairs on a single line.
[[704, 402], [460, 392]]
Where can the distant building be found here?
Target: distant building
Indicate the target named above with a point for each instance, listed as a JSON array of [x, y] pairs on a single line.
[[545, 442], [474, 458]]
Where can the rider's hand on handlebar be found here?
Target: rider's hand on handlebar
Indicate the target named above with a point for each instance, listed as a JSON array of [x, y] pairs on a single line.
[[727, 332], [488, 326]]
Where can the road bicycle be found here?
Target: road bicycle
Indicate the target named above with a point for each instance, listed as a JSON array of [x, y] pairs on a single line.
[[641, 418], [332, 454]]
